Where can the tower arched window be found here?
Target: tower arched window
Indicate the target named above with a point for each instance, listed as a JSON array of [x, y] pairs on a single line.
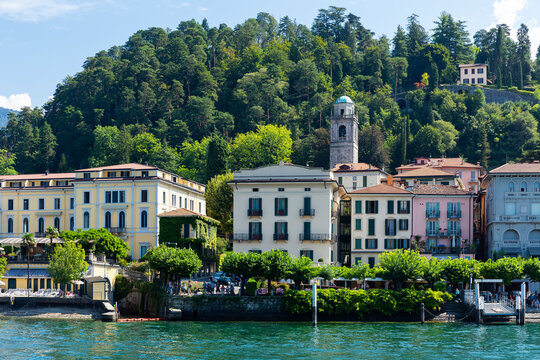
[[41, 225], [523, 186], [108, 220], [122, 219], [25, 225], [144, 219], [342, 132], [510, 186], [86, 220], [57, 223], [10, 226], [72, 223], [537, 186]]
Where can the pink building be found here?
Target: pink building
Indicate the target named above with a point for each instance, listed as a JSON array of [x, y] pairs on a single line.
[[467, 173], [442, 221]]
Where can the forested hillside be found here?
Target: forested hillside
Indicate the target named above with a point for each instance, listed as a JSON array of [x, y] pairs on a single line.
[[263, 90]]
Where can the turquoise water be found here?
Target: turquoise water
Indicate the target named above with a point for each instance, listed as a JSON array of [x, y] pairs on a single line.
[[69, 339]]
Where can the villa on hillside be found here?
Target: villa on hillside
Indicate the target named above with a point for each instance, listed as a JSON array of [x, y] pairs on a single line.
[[474, 74]]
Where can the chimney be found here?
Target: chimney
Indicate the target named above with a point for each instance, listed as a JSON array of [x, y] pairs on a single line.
[[47, 172], [390, 180]]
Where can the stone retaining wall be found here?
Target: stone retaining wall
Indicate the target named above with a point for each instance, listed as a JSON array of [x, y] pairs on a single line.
[[492, 95]]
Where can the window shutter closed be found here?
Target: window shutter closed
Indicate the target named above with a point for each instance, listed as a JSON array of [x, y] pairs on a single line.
[[286, 206], [276, 200], [307, 203], [390, 206], [364, 181], [250, 228], [448, 209], [408, 206], [376, 206], [275, 228], [358, 206], [459, 208]]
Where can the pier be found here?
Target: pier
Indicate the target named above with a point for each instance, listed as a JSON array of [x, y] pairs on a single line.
[[498, 308]]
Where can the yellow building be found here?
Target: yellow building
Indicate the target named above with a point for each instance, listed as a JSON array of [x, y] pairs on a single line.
[[126, 199]]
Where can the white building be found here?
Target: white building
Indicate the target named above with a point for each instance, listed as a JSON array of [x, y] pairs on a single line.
[[380, 221], [286, 207], [358, 175], [474, 74]]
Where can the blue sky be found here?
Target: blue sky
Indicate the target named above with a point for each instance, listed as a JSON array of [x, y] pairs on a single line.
[[43, 41]]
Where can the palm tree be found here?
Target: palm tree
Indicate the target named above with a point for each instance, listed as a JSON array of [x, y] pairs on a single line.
[[52, 233], [29, 241]]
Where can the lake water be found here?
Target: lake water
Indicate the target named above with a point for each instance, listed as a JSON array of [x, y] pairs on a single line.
[[70, 339]]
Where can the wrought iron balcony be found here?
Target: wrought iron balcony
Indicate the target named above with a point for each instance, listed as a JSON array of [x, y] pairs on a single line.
[[116, 230], [314, 237], [454, 215], [433, 214], [247, 237], [281, 237], [307, 212], [433, 233], [254, 212]]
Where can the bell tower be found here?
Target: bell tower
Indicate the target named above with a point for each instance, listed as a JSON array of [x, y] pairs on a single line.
[[343, 132]]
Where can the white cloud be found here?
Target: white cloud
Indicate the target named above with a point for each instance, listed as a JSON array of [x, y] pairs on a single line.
[[203, 9], [36, 10], [15, 101]]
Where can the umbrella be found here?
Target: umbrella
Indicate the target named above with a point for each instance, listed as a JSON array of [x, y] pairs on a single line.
[[78, 282]]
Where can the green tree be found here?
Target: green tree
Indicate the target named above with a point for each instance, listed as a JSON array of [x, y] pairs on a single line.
[[29, 243], [505, 268], [219, 201], [400, 266], [432, 271], [459, 270], [328, 272], [3, 265], [276, 265], [372, 149], [7, 163], [245, 265], [66, 263], [531, 269], [172, 262], [217, 157], [301, 271], [52, 233]]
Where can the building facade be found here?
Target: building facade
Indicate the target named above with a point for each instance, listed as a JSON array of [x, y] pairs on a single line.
[[355, 176], [125, 199], [343, 133], [380, 221], [474, 74], [442, 223], [513, 210], [286, 207]]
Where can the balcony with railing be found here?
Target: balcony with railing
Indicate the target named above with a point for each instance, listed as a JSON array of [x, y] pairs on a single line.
[[433, 233], [281, 237], [116, 230], [522, 195], [307, 212], [454, 232], [247, 237], [314, 237], [454, 215], [430, 214], [518, 218], [254, 212]]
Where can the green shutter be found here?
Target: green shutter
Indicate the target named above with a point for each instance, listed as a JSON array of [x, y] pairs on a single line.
[[358, 206], [459, 209], [307, 230], [286, 228], [364, 181], [376, 206], [357, 243], [276, 200], [286, 206], [437, 210], [371, 226], [408, 206], [367, 244], [390, 206], [307, 203], [358, 224], [275, 227], [250, 205], [448, 209], [250, 228]]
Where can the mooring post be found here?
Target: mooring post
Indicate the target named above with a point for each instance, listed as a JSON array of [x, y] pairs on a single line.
[[523, 304], [477, 303], [314, 303], [422, 313]]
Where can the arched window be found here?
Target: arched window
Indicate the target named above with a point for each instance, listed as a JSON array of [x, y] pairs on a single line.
[[72, 223], [537, 186], [342, 131], [25, 225], [510, 235], [523, 186], [41, 225], [144, 219], [534, 236], [108, 220], [57, 223], [122, 219], [10, 226], [510, 186], [86, 220]]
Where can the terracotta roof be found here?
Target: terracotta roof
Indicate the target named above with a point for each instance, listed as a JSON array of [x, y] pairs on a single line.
[[22, 177], [354, 167], [440, 162], [130, 166], [381, 189], [424, 172], [525, 168], [438, 190]]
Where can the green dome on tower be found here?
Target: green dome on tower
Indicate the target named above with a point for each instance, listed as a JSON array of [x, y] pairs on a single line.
[[344, 99]]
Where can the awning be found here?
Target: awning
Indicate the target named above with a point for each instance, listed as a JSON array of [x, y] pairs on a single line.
[[23, 273], [534, 251], [511, 250], [38, 240]]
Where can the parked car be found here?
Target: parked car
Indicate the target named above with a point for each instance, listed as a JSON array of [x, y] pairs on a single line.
[[224, 280], [217, 275]]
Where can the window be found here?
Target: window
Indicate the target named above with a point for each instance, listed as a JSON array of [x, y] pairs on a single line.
[[164, 197], [86, 175], [255, 207], [124, 174], [390, 244], [111, 174], [480, 71], [473, 80], [121, 219], [115, 197], [10, 226], [281, 230], [185, 203], [473, 175], [390, 206], [281, 206], [144, 249], [307, 210], [307, 253], [372, 206], [371, 244], [465, 81], [390, 227], [342, 132], [358, 207], [357, 243], [41, 225], [25, 225], [173, 200], [45, 184], [144, 219], [358, 224], [354, 185], [191, 204], [403, 224], [255, 189], [86, 197], [453, 210], [41, 204], [72, 203], [144, 196], [255, 231], [364, 181], [10, 204], [144, 173], [472, 71], [371, 227], [26, 204], [307, 189], [71, 223], [432, 228], [357, 260], [57, 223], [432, 210], [57, 203], [371, 261], [480, 80], [281, 189], [108, 220], [86, 220], [340, 180], [200, 208], [255, 251], [510, 187], [465, 71], [523, 186], [454, 228], [536, 186]]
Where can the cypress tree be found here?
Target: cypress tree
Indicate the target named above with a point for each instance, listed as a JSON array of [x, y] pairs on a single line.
[[217, 157], [499, 78], [520, 80]]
